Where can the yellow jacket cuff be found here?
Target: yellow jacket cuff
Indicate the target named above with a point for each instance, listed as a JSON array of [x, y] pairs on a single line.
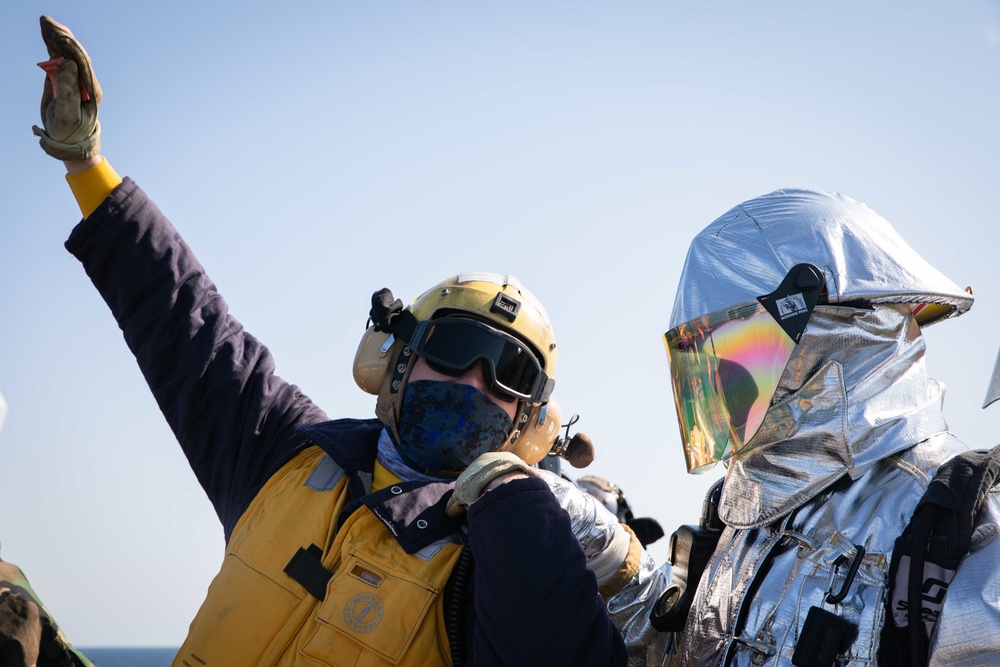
[[92, 186]]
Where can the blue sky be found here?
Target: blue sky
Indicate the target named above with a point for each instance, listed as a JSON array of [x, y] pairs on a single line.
[[314, 153]]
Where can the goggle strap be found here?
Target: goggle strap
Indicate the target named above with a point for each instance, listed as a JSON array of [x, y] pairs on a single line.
[[404, 326], [399, 369]]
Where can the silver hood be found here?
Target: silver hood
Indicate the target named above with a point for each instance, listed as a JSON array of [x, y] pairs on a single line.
[[748, 251], [855, 388]]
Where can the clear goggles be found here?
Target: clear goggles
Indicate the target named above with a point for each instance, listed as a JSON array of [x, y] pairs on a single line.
[[725, 367], [451, 345]]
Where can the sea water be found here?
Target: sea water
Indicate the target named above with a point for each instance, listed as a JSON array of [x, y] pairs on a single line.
[[129, 656]]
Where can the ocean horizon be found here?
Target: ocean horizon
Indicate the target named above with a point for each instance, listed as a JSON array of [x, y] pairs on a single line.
[[129, 656]]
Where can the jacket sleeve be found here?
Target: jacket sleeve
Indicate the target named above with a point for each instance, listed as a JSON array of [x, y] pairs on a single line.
[[536, 603], [214, 382]]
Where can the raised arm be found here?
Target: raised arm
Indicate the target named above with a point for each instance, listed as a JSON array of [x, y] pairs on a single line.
[[214, 382]]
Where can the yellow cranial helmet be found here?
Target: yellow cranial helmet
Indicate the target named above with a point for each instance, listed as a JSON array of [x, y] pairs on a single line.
[[465, 319]]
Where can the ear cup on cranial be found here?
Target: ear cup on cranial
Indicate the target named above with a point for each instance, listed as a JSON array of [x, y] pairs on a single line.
[[371, 361]]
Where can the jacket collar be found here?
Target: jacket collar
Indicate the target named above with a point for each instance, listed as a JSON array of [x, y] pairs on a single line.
[[352, 443], [414, 512]]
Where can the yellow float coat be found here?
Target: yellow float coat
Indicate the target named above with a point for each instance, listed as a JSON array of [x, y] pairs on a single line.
[[382, 605]]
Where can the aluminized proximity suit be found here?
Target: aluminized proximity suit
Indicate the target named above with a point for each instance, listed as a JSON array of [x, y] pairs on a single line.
[[849, 441]]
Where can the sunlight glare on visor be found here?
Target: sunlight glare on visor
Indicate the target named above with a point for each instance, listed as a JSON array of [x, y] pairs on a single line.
[[724, 368]]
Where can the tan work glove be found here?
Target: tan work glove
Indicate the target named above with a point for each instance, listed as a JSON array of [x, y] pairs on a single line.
[[485, 469], [71, 128]]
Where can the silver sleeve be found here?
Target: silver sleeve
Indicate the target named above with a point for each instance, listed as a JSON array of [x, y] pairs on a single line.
[[629, 610], [593, 525], [596, 529]]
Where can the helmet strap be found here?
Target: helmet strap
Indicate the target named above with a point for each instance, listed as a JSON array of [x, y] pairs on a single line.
[[521, 423]]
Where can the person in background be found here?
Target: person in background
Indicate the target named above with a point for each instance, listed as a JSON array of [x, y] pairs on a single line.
[[418, 538], [610, 495], [29, 635]]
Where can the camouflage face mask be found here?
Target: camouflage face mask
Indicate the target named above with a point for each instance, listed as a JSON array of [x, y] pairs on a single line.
[[445, 426]]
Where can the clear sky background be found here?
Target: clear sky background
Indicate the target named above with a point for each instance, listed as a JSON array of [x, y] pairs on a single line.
[[312, 153]]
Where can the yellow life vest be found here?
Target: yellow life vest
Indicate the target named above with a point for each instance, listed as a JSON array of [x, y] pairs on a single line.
[[382, 606]]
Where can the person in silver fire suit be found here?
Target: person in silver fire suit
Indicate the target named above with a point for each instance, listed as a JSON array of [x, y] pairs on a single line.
[[797, 359]]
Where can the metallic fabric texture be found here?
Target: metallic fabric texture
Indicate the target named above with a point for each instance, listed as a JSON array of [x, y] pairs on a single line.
[[748, 250], [852, 438]]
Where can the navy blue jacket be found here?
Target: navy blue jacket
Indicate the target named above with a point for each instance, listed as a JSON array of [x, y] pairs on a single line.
[[534, 603]]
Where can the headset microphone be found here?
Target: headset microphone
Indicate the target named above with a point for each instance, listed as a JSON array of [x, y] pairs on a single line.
[[578, 449]]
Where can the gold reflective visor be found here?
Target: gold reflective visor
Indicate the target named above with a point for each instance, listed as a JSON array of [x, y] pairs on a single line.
[[725, 365], [724, 368]]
